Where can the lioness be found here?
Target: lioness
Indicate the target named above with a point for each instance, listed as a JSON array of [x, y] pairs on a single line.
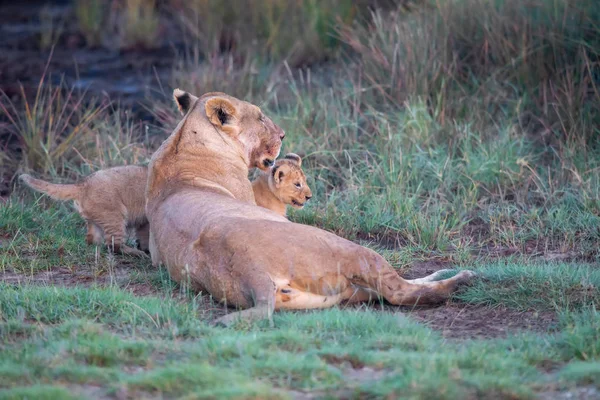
[[208, 233], [110, 201], [284, 184]]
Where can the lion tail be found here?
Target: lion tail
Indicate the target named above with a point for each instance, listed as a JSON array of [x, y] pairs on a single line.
[[56, 191]]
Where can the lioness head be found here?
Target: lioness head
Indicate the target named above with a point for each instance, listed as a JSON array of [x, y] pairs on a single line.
[[241, 121], [288, 182]]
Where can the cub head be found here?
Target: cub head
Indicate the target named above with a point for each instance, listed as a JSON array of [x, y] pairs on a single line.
[[238, 120], [288, 182]]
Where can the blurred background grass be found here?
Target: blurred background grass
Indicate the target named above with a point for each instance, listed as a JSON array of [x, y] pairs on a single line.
[[444, 126]]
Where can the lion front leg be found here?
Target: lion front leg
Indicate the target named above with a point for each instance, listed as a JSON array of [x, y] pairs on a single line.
[[154, 254], [257, 313], [261, 290]]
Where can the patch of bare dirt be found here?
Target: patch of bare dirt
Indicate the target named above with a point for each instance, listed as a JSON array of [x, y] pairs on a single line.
[[468, 321], [465, 321], [64, 276], [419, 269], [579, 393], [353, 376], [119, 275]]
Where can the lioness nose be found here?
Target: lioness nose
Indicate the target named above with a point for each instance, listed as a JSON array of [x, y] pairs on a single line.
[[268, 162], [282, 134]]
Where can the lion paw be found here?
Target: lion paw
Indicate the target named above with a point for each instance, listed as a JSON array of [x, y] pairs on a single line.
[[465, 276]]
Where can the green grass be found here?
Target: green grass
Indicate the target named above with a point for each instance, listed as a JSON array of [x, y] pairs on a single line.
[[537, 285], [82, 340]]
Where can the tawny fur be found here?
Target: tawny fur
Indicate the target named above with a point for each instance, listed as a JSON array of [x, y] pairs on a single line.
[[207, 231], [110, 201], [282, 185]]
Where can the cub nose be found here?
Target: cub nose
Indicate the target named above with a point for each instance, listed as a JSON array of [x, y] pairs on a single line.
[[308, 198], [282, 134]]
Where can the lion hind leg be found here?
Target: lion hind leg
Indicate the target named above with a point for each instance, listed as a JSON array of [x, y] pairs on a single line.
[[386, 281], [355, 294], [95, 235], [288, 298], [124, 249], [401, 292], [430, 278], [114, 236], [154, 254]]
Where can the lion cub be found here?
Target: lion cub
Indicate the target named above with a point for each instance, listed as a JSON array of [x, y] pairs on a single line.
[[110, 201], [285, 183]]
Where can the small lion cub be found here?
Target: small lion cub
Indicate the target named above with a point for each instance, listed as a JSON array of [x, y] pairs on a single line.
[[284, 184], [110, 201]]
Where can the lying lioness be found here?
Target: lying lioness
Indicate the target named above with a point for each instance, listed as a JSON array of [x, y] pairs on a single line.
[[110, 201], [206, 230], [284, 184]]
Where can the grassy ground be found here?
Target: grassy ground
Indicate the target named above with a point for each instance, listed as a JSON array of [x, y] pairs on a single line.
[[82, 323], [460, 133]]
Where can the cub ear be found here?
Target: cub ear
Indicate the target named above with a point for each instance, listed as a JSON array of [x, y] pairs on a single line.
[[295, 158], [184, 100], [279, 172], [220, 111]]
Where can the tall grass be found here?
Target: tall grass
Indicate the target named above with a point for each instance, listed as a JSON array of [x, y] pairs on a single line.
[[50, 124], [140, 24], [90, 18], [448, 127], [301, 32], [534, 61], [62, 131], [122, 25], [51, 28]]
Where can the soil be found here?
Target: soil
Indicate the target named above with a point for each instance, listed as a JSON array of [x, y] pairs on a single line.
[[465, 321], [579, 393]]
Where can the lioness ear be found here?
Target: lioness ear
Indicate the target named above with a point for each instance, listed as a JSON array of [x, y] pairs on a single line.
[[294, 158], [184, 100], [220, 111]]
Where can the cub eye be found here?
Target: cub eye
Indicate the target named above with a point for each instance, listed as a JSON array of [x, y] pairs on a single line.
[[298, 185]]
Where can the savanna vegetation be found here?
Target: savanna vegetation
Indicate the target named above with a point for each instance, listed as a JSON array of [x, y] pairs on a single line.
[[444, 134]]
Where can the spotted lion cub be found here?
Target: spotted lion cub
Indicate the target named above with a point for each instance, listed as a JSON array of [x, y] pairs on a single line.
[[284, 184], [110, 201]]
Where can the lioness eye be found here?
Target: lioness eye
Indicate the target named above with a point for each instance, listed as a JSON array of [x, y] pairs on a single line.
[[298, 185]]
